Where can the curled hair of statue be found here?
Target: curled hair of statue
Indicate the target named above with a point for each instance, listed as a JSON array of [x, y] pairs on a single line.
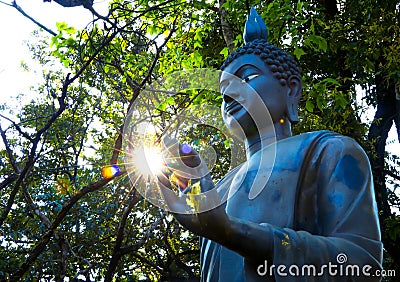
[[255, 37]]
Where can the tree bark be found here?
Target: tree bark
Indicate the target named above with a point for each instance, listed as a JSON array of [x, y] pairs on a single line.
[[387, 113], [227, 31]]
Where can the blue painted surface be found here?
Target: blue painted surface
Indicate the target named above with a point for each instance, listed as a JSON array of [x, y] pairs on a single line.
[[349, 173], [276, 196], [336, 200]]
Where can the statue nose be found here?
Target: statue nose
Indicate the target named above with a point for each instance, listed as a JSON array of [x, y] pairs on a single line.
[[231, 91]]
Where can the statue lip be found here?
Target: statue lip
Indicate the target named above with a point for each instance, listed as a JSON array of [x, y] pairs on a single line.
[[233, 106]]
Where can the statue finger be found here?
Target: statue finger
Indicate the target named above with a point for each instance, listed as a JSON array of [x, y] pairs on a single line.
[[170, 146]]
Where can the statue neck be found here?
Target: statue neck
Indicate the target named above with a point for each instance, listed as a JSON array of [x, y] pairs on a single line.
[[265, 137]]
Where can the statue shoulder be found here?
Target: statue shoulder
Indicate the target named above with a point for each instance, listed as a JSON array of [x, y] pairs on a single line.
[[305, 142], [344, 145], [326, 138], [322, 146]]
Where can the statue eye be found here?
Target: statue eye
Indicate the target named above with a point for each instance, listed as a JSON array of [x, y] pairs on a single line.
[[248, 78]]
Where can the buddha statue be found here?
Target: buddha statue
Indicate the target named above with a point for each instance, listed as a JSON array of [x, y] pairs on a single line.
[[315, 218]]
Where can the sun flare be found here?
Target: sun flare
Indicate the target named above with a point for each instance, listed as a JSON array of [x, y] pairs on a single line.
[[148, 160]]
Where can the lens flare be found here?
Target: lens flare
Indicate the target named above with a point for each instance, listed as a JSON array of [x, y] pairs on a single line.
[[186, 149], [148, 160], [110, 171]]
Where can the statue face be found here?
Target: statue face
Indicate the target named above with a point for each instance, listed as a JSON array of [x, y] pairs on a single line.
[[244, 84]]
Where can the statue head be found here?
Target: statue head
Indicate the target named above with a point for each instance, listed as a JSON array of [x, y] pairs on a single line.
[[282, 66]]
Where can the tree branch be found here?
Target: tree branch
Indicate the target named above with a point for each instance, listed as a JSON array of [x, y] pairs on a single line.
[[62, 243], [7, 4], [116, 255], [395, 176], [43, 218], [18, 128], [54, 116], [19, 9], [19, 181], [31, 157], [134, 247], [136, 91], [81, 271], [9, 152], [175, 257], [10, 179], [40, 246]]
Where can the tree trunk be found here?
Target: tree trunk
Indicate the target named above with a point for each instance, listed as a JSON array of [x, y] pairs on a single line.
[[387, 113], [227, 31]]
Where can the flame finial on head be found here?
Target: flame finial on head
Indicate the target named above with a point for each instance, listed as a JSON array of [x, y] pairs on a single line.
[[255, 27]]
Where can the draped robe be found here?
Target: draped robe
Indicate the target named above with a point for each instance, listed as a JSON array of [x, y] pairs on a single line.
[[317, 205]]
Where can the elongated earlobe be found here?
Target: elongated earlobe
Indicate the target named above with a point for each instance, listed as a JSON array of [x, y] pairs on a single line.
[[293, 98]]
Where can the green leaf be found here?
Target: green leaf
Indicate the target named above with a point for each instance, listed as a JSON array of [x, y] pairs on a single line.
[[300, 6], [197, 44], [225, 52], [163, 105], [341, 100], [332, 81], [316, 42], [309, 106], [298, 52], [320, 103], [61, 25]]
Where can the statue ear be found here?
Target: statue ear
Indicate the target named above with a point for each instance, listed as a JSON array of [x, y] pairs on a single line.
[[293, 97]]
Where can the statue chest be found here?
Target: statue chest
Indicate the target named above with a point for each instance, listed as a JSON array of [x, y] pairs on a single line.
[[263, 189], [264, 195]]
